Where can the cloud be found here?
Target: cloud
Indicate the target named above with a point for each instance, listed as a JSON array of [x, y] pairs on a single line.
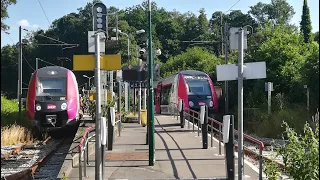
[[25, 23]]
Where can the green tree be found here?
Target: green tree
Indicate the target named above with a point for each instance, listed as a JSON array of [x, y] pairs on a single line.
[[280, 47], [194, 58], [279, 11], [305, 24], [9, 68], [4, 12], [316, 37], [310, 73]]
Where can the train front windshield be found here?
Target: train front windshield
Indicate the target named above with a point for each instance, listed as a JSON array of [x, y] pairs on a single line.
[[198, 86], [51, 87]]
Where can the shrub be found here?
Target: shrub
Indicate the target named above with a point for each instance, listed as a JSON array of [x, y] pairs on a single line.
[[10, 113], [300, 154]]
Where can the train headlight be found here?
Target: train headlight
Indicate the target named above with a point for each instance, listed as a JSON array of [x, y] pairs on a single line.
[[191, 104], [38, 107], [64, 106], [211, 104]]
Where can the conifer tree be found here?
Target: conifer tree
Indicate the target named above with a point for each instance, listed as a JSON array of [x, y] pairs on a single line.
[[305, 24]]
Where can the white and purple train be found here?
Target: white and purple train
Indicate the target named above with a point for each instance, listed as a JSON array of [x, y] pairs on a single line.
[[53, 98]]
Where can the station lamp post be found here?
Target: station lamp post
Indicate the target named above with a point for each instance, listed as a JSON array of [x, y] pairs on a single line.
[[128, 37], [89, 78]]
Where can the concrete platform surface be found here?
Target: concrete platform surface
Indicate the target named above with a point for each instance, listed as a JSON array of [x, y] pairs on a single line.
[[178, 154]]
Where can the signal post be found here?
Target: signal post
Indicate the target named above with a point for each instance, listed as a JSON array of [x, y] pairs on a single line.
[[97, 62]]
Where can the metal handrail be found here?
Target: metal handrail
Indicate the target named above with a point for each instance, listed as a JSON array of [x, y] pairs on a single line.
[[84, 148], [247, 138]]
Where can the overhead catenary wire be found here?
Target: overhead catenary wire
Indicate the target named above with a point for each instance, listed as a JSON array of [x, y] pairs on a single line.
[[44, 12], [24, 58], [52, 39], [47, 62], [232, 6], [9, 36]]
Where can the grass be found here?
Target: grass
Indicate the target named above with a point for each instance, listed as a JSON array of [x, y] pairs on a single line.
[[263, 124], [14, 131], [15, 134]]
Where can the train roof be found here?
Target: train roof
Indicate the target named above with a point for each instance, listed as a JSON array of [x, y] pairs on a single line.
[[52, 71], [169, 79], [192, 73]]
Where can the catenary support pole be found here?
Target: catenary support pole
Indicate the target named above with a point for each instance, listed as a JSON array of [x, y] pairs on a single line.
[[269, 97], [221, 33], [150, 111], [98, 164], [226, 91], [240, 104], [128, 50], [20, 74]]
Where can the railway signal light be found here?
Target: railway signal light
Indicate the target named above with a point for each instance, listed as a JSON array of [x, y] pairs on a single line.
[[99, 12]]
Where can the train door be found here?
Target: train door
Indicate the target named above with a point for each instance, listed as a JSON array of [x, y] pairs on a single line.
[[174, 92]]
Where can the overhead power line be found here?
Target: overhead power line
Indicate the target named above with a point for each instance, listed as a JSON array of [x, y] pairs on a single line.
[[47, 62], [44, 12], [52, 39], [232, 6], [24, 58]]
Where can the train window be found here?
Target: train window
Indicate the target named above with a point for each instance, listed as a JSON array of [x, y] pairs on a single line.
[[198, 87], [51, 86]]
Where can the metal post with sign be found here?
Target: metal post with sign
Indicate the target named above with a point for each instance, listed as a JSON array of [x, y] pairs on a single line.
[[240, 71], [269, 88], [98, 167], [240, 103], [99, 11]]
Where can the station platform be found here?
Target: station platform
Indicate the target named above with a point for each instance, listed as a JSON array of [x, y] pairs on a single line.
[[178, 154]]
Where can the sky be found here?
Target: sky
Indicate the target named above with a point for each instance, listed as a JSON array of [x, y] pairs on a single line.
[[29, 14]]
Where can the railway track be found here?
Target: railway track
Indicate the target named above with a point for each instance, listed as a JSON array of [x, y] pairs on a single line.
[[37, 161], [26, 159], [50, 169]]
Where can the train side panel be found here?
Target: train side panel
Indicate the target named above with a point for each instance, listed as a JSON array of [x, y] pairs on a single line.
[[72, 96], [31, 97], [214, 95], [182, 92]]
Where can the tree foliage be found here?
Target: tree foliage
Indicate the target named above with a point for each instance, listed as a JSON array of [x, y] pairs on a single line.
[[195, 58], [316, 37], [4, 12], [278, 11], [305, 24]]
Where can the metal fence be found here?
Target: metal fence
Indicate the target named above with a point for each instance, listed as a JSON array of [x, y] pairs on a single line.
[[83, 146], [193, 117]]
